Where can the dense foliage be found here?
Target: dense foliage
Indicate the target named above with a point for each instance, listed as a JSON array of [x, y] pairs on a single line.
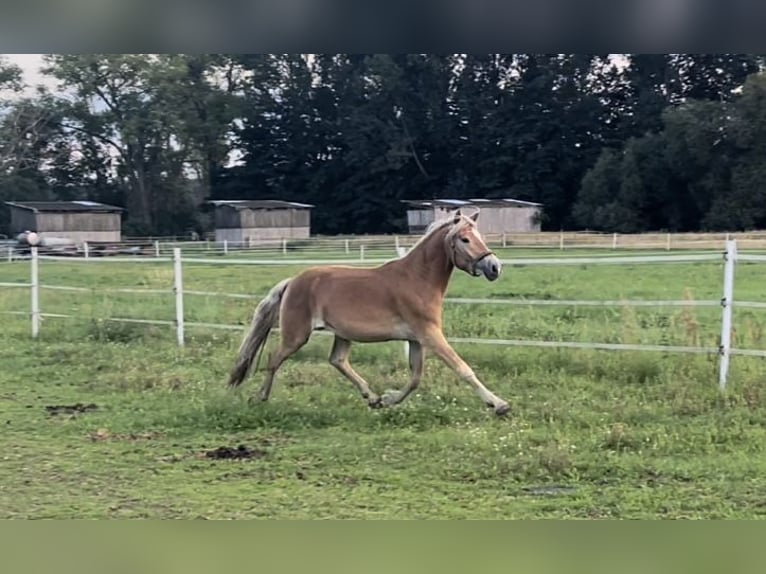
[[610, 142]]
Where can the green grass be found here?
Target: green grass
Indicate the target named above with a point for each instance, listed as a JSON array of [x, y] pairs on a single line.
[[591, 434]]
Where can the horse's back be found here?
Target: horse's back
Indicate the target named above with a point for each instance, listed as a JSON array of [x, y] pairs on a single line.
[[342, 281]]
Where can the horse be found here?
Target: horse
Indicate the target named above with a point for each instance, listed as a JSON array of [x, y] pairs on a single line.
[[399, 300]]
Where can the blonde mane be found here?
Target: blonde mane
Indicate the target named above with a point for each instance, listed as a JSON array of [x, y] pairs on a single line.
[[432, 228], [435, 226]]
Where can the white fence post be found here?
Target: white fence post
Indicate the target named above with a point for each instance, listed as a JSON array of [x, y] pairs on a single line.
[[85, 249], [284, 246], [561, 241], [10, 254], [178, 288], [727, 302], [156, 248], [348, 247], [614, 241], [505, 240], [396, 243], [401, 252], [361, 252], [225, 247], [35, 295], [667, 243]]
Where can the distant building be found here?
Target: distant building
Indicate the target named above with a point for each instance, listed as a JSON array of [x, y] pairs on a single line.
[[244, 221], [497, 215], [75, 221]]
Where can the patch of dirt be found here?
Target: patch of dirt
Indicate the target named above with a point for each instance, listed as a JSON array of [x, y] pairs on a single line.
[[238, 452], [75, 409]]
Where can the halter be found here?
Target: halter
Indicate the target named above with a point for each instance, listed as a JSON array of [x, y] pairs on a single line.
[[473, 262], [476, 261]]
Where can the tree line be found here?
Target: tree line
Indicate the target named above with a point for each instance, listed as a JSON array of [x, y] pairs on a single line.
[[627, 143]]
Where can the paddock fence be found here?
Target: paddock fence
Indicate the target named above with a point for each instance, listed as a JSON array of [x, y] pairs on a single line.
[[729, 256], [372, 247]]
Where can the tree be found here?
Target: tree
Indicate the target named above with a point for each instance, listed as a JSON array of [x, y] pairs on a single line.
[[555, 123], [714, 77], [23, 123], [203, 89], [351, 134], [614, 142], [10, 76], [596, 205], [697, 164], [154, 127], [28, 130], [742, 205]]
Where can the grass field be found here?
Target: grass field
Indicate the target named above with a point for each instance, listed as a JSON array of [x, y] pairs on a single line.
[[591, 434]]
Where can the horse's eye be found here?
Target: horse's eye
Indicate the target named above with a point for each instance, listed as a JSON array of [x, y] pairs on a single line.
[[465, 240]]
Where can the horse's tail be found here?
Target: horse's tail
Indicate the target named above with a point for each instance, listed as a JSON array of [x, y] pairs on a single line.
[[265, 317]]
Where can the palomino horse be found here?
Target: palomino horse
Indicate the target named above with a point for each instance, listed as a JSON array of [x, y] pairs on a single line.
[[399, 300]]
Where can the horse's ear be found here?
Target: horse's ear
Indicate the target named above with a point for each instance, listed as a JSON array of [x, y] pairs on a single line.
[[475, 216], [458, 215]]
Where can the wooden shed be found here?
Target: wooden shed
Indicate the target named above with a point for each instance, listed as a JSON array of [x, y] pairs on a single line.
[[258, 221], [497, 215], [75, 221]]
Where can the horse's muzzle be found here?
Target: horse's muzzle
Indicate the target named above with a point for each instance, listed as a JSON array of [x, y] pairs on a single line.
[[490, 267]]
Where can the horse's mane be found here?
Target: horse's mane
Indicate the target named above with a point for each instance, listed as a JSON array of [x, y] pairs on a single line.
[[435, 226], [432, 228]]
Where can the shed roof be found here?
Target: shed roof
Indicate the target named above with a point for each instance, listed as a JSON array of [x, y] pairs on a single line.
[[260, 204], [65, 206], [476, 202], [505, 201]]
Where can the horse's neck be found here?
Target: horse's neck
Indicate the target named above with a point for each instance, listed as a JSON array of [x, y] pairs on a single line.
[[431, 262]]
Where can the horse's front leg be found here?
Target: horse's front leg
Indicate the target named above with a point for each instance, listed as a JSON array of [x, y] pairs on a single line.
[[416, 367], [435, 341]]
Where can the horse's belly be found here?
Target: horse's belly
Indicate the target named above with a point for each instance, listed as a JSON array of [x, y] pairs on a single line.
[[365, 331], [368, 337]]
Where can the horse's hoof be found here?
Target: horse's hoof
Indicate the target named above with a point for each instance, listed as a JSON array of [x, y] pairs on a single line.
[[502, 409], [257, 399], [375, 403], [389, 398]]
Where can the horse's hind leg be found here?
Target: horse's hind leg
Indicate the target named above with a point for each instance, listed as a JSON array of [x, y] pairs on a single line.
[[293, 337], [339, 359], [416, 366]]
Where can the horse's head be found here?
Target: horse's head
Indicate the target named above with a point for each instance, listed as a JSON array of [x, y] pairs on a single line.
[[467, 249]]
